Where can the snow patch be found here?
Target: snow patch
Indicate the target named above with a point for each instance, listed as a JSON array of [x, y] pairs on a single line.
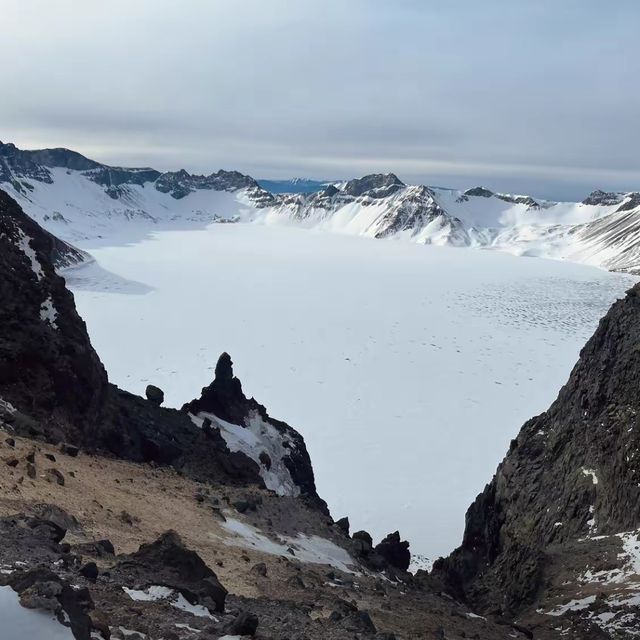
[[573, 605], [592, 474], [155, 593], [7, 406], [308, 549], [48, 312], [253, 439], [24, 244]]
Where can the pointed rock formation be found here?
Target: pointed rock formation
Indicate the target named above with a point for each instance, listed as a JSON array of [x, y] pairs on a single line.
[[225, 400]]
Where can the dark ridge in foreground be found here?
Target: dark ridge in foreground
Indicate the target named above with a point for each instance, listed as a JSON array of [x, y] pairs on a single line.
[[53, 385], [571, 477]]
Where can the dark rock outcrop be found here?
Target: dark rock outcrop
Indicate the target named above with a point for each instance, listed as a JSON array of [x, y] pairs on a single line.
[[605, 198], [48, 368], [343, 525], [395, 551], [566, 476], [375, 185], [168, 563], [481, 192], [41, 588], [154, 394], [181, 183], [225, 399]]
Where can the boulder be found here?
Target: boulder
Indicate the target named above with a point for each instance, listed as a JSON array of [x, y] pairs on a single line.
[[54, 476], [46, 529], [364, 537], [154, 394], [69, 449], [167, 562]]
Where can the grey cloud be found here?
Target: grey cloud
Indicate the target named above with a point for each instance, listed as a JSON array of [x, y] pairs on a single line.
[[535, 97]]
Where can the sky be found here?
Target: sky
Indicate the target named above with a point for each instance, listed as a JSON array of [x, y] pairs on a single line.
[[522, 96]]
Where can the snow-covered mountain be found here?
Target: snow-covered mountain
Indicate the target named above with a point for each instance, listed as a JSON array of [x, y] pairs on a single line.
[[79, 199]]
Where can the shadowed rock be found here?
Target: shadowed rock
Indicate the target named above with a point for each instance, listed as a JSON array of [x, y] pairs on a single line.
[[569, 465], [168, 563]]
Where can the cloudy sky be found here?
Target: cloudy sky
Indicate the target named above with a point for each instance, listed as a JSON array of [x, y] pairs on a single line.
[[531, 96]]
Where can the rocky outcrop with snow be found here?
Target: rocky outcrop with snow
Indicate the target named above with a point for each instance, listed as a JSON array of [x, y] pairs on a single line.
[[277, 449], [555, 532]]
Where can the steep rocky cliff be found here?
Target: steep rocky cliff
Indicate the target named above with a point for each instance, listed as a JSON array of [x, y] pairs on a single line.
[[53, 385], [567, 494]]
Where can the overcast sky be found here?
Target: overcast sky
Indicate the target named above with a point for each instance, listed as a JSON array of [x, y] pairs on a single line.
[[531, 96]]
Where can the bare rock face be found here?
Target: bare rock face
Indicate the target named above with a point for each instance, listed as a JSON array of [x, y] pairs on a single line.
[[48, 367], [568, 476], [395, 551], [603, 198]]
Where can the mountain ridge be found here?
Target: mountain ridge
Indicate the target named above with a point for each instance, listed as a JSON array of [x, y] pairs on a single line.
[[80, 200]]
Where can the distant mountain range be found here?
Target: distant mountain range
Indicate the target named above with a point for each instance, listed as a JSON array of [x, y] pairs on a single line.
[[78, 198]]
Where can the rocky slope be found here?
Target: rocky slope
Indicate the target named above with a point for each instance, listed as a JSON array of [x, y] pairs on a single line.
[[83, 201], [555, 533]]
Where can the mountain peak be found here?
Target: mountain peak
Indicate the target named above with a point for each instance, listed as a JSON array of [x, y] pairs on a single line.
[[603, 198], [376, 185], [481, 192]]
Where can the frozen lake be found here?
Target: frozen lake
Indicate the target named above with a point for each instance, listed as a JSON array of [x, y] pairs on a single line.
[[407, 368]]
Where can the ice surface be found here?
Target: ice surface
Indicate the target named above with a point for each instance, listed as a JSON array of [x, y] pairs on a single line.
[[19, 623], [408, 369]]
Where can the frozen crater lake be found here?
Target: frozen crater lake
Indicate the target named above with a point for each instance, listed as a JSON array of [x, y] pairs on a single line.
[[407, 368]]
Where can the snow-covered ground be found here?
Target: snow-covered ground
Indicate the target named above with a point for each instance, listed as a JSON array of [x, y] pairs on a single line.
[[407, 368]]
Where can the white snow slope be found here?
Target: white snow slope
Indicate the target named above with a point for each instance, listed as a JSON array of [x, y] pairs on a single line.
[[605, 234], [407, 368]]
